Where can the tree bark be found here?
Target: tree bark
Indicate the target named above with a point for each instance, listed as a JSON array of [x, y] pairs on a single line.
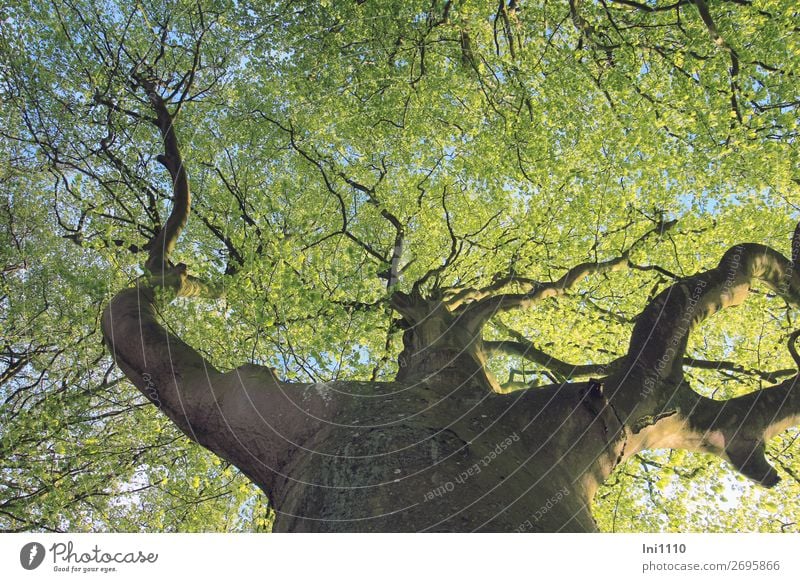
[[652, 396], [439, 453]]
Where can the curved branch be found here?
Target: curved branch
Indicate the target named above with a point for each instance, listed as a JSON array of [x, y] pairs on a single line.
[[164, 242], [163, 367], [487, 305], [659, 338], [456, 298], [567, 371], [486, 308], [564, 370], [792, 344], [647, 8], [658, 406], [735, 430]]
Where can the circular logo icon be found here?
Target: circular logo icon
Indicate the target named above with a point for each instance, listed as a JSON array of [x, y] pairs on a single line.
[[31, 555]]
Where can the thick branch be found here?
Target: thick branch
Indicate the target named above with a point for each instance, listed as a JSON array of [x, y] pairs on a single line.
[[659, 338], [531, 353], [650, 394], [159, 364], [648, 8], [735, 430], [458, 297], [165, 241], [566, 371], [488, 304], [154, 360], [486, 308]]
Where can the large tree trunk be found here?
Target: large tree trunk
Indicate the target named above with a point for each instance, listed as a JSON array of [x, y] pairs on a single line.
[[412, 461], [440, 453]]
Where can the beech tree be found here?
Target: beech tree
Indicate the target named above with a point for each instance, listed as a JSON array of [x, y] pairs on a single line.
[[403, 266]]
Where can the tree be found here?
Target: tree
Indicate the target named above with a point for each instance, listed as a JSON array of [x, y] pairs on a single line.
[[398, 206]]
